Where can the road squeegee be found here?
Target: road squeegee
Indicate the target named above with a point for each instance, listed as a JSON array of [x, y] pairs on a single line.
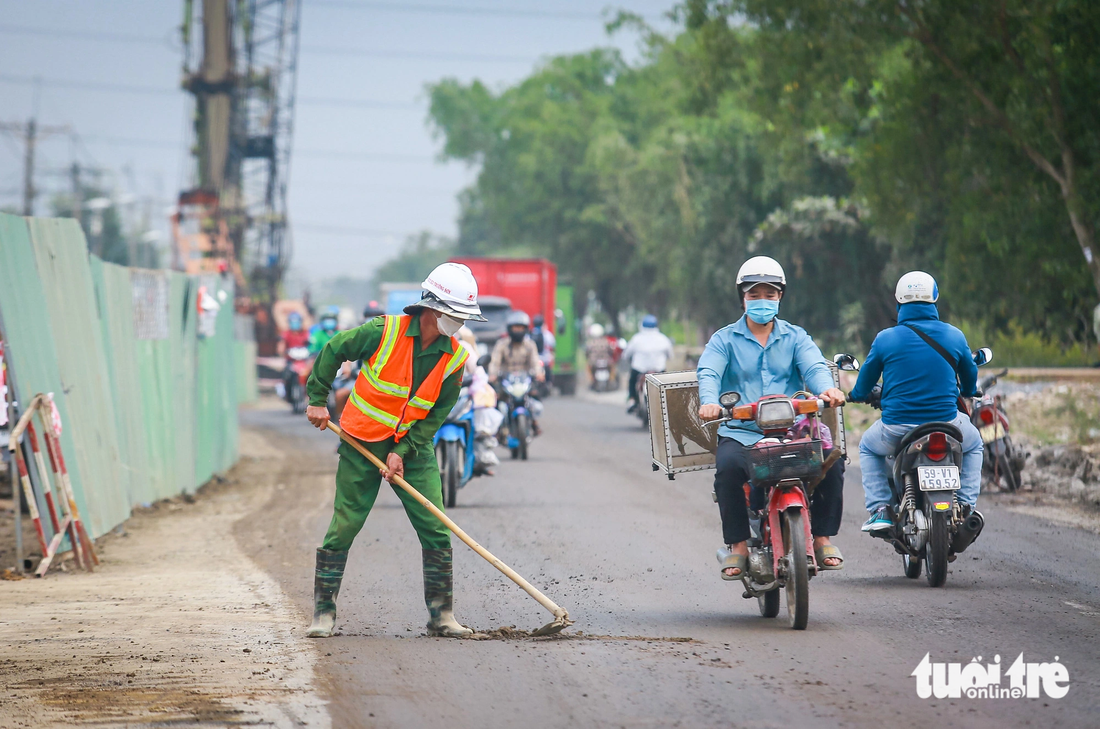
[[561, 619]]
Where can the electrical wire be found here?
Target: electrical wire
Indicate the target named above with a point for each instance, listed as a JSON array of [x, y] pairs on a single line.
[[99, 36], [159, 91], [483, 11], [449, 57], [343, 230]]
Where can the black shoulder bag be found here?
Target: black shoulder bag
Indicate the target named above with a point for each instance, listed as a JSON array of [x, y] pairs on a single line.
[[936, 346]]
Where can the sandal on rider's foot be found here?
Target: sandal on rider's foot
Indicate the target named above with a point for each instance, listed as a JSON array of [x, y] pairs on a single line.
[[737, 562], [828, 551]]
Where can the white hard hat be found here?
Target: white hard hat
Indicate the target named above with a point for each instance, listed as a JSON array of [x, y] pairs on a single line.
[[596, 330], [760, 269], [452, 289], [916, 286]]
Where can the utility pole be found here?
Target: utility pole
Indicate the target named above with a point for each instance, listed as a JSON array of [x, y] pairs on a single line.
[[78, 191], [30, 134]]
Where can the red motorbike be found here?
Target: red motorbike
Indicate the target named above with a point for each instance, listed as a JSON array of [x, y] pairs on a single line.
[[786, 466], [299, 363]]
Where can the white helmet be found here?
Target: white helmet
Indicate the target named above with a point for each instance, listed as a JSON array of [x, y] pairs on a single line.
[[760, 270], [596, 330], [452, 289], [916, 286]]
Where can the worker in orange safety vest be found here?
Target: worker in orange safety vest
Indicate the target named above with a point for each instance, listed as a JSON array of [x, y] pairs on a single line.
[[410, 379]]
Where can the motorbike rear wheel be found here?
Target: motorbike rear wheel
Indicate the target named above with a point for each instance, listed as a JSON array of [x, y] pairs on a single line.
[[1010, 479], [798, 573], [643, 407], [938, 546], [453, 463], [769, 603]]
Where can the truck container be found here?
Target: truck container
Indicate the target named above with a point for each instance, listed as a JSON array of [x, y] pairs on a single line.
[[528, 283]]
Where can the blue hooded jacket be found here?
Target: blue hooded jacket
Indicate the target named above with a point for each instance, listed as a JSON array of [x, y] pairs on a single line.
[[918, 385]]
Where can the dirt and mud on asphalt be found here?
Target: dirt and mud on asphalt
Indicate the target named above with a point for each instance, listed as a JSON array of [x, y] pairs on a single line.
[[176, 628]]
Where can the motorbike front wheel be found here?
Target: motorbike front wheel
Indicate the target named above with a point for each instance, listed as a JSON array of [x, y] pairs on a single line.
[[938, 546], [798, 573], [297, 397], [452, 465], [522, 434]]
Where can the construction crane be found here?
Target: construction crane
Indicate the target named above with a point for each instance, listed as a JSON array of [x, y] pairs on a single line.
[[242, 70]]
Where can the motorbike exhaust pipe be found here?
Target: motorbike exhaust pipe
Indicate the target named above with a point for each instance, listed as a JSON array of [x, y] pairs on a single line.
[[969, 530]]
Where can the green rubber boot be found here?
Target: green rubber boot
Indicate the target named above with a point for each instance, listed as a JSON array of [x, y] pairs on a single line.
[[326, 586], [439, 595]]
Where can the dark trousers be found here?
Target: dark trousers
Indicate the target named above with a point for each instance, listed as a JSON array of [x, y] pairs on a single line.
[[826, 504], [632, 384]]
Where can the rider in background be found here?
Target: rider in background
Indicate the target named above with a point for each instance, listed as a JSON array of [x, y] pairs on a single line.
[[517, 353], [648, 351], [757, 355], [919, 386], [545, 343], [326, 329], [598, 347], [294, 335]]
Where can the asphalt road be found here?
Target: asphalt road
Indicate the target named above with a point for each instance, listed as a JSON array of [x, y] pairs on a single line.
[[631, 556]]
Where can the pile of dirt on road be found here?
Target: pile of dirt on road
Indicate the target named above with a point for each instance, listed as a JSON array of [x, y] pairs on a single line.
[[1070, 471], [1058, 424]]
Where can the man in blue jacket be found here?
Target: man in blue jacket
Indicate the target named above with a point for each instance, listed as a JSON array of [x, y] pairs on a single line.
[[757, 355], [919, 386]]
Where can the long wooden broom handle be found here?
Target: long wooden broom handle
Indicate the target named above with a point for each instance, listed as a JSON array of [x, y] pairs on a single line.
[[510, 573]]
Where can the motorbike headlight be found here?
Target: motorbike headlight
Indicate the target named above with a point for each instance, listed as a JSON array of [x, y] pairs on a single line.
[[775, 414]]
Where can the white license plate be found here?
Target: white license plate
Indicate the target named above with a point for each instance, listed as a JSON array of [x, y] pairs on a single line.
[[602, 375], [938, 478], [992, 432]]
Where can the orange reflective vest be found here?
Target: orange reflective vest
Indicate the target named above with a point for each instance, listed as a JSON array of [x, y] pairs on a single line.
[[382, 404]]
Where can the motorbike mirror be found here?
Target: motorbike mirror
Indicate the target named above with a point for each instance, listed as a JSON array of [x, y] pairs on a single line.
[[983, 356], [484, 360], [846, 362], [729, 399]]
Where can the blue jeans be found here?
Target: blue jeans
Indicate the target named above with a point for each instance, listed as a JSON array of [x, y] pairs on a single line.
[[881, 440]]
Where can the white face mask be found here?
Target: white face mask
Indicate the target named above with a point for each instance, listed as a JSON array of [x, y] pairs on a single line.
[[448, 324]]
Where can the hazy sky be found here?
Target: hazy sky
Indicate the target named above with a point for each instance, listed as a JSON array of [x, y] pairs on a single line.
[[110, 69]]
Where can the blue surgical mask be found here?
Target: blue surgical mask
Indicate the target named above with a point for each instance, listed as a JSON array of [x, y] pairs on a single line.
[[761, 311]]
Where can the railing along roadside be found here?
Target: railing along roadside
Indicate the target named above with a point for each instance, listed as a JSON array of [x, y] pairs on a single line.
[[82, 546]]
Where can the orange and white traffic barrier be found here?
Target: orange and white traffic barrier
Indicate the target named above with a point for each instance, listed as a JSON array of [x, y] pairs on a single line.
[[28, 494], [80, 536], [82, 546]]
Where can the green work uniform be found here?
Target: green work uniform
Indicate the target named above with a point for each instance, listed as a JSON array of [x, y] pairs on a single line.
[[357, 479]]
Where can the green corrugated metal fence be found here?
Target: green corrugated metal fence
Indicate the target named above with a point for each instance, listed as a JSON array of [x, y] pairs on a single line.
[[149, 405]]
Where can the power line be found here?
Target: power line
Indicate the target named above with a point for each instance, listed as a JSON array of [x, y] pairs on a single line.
[[342, 230], [99, 36], [316, 50], [160, 91], [455, 10], [87, 85], [417, 55], [317, 153]]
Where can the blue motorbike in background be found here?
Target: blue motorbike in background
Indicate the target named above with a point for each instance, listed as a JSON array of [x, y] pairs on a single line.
[[454, 447], [516, 389]]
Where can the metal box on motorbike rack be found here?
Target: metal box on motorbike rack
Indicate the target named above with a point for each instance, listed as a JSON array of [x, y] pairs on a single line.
[[679, 439]]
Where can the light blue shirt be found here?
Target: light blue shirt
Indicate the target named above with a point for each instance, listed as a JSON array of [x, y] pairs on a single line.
[[734, 361]]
